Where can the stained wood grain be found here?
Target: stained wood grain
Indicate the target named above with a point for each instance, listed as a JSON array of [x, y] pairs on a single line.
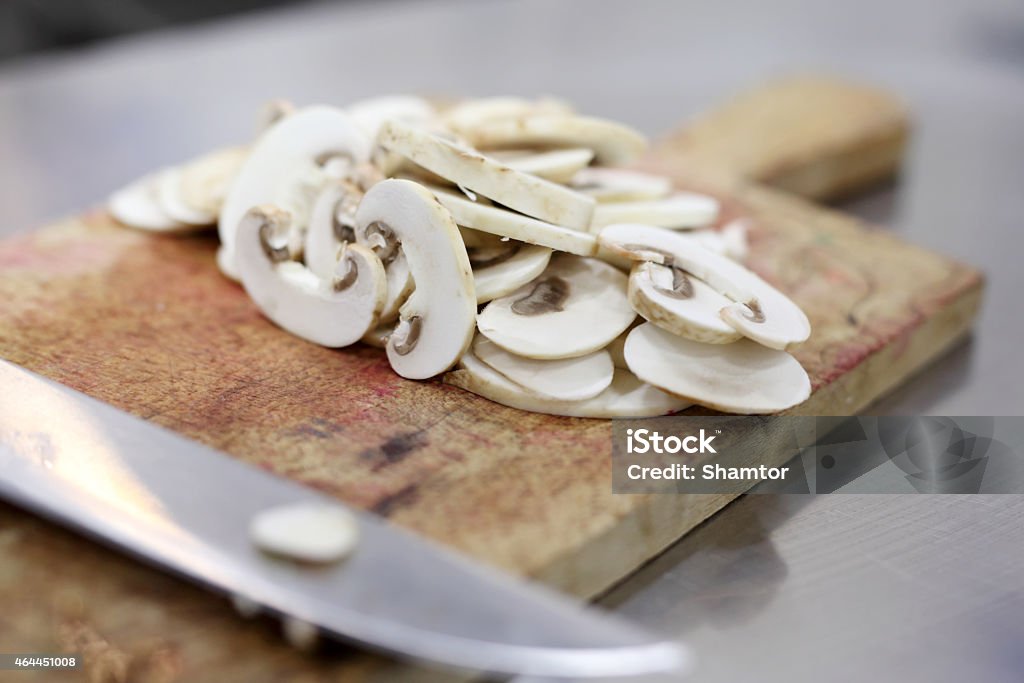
[[147, 324]]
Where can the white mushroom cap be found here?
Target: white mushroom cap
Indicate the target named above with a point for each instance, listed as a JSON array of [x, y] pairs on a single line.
[[331, 312], [475, 112], [436, 322], [491, 219], [627, 396], [372, 113], [557, 165], [759, 311], [467, 168], [169, 196], [620, 185], [575, 307], [205, 181], [613, 143], [136, 205], [743, 377], [681, 210], [284, 168], [568, 379], [501, 270], [680, 303]]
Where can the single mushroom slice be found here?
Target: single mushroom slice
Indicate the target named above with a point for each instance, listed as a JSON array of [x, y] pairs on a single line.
[[503, 268], [566, 379], [436, 322], [171, 199], [482, 217], [575, 307], [467, 168], [332, 224], [758, 310], [335, 311], [288, 166], [474, 112], [743, 377], [730, 240], [681, 210], [613, 143], [620, 185], [370, 114], [557, 165], [136, 205], [681, 304], [626, 396], [205, 181]]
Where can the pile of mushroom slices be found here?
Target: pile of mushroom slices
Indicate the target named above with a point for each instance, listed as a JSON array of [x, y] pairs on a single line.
[[493, 240]]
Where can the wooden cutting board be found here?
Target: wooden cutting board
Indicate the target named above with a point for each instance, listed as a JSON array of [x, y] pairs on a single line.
[[147, 324]]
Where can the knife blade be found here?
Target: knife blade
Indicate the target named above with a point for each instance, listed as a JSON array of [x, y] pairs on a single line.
[[186, 507]]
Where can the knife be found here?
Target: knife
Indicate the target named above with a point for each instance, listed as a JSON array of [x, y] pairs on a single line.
[[187, 508]]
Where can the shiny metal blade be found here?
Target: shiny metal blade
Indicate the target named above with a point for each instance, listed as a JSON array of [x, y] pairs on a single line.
[[187, 507]]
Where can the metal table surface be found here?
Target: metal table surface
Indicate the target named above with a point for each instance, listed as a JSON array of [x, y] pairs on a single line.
[[840, 587]]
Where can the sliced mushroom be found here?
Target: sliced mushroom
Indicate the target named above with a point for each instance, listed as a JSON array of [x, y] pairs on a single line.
[[620, 185], [467, 168], [205, 181], [491, 219], [567, 379], [557, 165], [334, 311], [307, 532], [613, 143], [575, 307], [272, 111], [730, 240], [332, 223], [627, 396], [471, 113], [743, 377], [503, 269], [288, 166], [136, 205], [759, 311], [169, 196], [436, 322], [378, 336], [682, 210], [678, 302], [370, 114]]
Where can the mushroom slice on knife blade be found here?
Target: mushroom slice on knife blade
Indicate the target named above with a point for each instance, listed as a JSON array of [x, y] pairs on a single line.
[[288, 166], [679, 303], [436, 322], [469, 169], [627, 396], [758, 310], [567, 379], [682, 210], [575, 307], [620, 185], [613, 143], [497, 221], [335, 311], [743, 377], [502, 269]]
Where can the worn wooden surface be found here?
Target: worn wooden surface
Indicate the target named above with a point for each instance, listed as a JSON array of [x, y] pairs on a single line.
[[147, 324]]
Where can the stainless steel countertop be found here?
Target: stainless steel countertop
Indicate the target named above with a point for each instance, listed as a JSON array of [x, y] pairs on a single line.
[[840, 587]]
